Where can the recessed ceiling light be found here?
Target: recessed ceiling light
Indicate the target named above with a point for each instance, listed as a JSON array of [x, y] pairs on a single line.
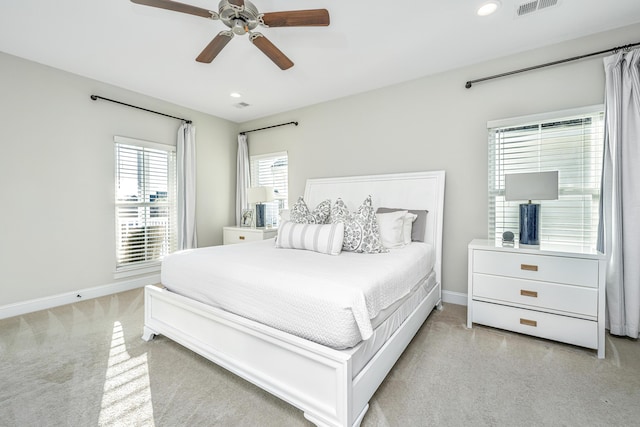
[[488, 8], [235, 95]]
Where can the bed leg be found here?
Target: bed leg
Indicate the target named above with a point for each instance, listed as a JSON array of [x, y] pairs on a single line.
[[315, 420], [319, 423], [358, 420], [439, 305], [148, 334]]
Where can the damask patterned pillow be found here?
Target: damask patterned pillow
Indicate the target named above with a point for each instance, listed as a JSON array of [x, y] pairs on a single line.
[[361, 232], [300, 213]]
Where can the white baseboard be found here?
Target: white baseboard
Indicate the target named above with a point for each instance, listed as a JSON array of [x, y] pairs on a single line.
[[457, 298], [45, 303]]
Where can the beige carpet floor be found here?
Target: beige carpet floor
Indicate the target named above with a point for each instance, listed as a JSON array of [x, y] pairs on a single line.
[[85, 365]]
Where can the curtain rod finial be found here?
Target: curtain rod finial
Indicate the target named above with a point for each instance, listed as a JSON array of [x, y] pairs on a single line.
[[468, 85], [94, 97]]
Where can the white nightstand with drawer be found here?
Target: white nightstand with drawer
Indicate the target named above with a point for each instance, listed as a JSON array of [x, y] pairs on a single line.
[[232, 235], [554, 292]]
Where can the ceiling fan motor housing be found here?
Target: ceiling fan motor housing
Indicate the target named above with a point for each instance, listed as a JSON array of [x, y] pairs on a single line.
[[241, 19]]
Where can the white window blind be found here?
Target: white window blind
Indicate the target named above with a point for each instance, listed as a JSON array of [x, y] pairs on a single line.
[[570, 142], [272, 170], [145, 202]]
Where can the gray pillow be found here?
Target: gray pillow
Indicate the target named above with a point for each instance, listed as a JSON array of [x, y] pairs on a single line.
[[419, 225]]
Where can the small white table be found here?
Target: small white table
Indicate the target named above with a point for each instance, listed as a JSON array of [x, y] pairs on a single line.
[[232, 235], [555, 292]]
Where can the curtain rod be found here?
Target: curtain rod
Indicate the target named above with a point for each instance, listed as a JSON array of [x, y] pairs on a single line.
[[268, 127], [96, 97], [535, 67]]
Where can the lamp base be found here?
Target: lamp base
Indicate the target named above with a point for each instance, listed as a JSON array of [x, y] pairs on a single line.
[[260, 215], [529, 220]]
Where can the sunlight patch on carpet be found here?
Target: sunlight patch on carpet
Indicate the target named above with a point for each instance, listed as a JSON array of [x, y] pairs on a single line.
[[126, 399]]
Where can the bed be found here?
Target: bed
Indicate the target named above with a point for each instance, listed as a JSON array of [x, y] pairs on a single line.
[[331, 385]]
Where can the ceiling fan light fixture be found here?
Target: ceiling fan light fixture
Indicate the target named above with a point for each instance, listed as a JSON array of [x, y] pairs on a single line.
[[488, 8], [239, 27]]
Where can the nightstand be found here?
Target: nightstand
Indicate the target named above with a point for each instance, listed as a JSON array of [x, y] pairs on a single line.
[[555, 292], [232, 235]]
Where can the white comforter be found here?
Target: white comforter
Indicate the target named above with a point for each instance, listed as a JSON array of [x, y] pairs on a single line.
[[327, 299]]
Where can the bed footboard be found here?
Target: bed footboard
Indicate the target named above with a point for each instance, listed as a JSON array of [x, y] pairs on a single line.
[[311, 377], [316, 379]]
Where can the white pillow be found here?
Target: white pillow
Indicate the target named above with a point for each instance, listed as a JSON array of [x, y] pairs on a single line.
[[322, 238], [391, 227], [408, 220], [285, 215]]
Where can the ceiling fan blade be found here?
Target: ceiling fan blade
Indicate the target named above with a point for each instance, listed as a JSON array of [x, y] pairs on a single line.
[[297, 18], [215, 47], [178, 7], [269, 49]]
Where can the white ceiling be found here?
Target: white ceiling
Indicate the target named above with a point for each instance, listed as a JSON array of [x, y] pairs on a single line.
[[369, 44]]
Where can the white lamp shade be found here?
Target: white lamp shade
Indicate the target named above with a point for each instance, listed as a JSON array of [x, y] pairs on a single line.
[[259, 194], [531, 186]]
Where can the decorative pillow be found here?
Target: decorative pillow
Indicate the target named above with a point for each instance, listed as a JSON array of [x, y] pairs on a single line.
[[391, 227], [322, 238], [407, 220], [360, 227], [300, 213], [419, 225]]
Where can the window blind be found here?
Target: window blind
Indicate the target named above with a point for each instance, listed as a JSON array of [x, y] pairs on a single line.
[[570, 142], [146, 209], [272, 170]]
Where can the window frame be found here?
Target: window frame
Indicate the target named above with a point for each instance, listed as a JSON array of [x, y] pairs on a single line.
[[281, 200], [573, 197], [150, 205]]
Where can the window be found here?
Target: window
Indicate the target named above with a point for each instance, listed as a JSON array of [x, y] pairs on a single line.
[[272, 170], [570, 142], [145, 202]]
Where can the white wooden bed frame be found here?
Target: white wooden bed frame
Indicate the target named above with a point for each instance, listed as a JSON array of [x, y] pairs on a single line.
[[314, 378]]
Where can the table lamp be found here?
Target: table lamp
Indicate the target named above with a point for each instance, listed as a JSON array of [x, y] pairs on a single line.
[[257, 196], [530, 186]]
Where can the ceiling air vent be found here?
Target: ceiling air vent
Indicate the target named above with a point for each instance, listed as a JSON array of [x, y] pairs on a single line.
[[241, 105], [543, 4], [534, 6]]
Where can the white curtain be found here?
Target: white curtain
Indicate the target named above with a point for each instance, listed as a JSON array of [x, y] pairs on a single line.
[[243, 178], [619, 234], [186, 168]]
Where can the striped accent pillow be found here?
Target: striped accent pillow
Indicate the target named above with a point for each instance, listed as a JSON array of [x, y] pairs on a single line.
[[322, 238]]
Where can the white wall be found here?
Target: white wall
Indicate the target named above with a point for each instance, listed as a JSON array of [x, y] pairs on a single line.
[[435, 123], [56, 162], [57, 229]]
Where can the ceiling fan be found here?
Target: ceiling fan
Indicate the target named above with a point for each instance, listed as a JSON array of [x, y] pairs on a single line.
[[241, 16]]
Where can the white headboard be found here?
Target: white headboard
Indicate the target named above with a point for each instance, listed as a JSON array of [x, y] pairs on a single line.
[[415, 190]]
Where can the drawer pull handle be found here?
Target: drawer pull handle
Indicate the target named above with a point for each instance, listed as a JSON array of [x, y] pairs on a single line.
[[241, 237], [528, 322], [528, 267], [526, 293]]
